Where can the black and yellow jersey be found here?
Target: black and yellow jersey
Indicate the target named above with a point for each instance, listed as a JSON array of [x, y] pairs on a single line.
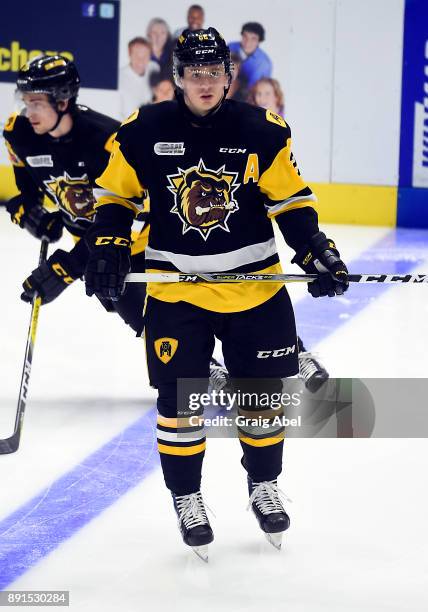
[[63, 169], [213, 192]]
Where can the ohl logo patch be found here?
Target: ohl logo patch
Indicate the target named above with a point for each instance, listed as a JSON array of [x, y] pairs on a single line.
[[73, 195], [203, 198], [166, 348]]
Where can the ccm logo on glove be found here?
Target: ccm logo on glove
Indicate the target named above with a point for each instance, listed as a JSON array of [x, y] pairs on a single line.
[[58, 269], [116, 240]]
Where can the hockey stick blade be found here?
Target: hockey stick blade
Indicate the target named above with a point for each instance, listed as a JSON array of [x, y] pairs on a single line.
[[233, 277], [10, 445]]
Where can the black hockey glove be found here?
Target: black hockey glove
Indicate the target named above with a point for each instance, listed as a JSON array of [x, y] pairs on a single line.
[[52, 277], [36, 219], [109, 262], [321, 257]]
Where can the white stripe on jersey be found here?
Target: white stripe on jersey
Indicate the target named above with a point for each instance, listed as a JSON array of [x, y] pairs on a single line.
[[222, 262], [284, 204]]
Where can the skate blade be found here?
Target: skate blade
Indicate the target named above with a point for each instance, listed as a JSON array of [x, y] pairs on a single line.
[[275, 539], [201, 552]]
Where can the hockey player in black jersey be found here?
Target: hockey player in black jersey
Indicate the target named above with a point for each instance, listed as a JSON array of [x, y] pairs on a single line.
[[217, 172], [57, 149]]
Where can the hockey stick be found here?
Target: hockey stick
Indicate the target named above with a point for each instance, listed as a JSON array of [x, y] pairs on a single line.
[[10, 445], [233, 277]]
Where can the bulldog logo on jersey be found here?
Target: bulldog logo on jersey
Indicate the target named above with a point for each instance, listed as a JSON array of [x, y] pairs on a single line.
[[165, 348], [203, 198], [72, 194]]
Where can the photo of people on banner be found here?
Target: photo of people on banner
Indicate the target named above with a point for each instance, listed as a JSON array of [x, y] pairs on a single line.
[[147, 77]]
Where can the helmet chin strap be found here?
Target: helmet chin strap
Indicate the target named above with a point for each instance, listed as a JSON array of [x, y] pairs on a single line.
[[60, 115]]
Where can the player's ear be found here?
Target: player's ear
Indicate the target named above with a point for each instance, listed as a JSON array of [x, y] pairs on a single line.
[[63, 105]]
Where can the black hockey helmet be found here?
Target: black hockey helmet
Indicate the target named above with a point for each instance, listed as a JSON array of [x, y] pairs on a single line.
[[200, 48], [54, 75]]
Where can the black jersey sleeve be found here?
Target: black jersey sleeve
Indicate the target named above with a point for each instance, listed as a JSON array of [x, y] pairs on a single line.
[[27, 187], [298, 226], [29, 192]]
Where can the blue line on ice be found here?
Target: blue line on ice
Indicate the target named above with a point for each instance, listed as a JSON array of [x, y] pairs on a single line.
[[72, 501]]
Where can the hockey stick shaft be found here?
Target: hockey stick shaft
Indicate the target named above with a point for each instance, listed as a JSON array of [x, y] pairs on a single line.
[[10, 445], [232, 277]]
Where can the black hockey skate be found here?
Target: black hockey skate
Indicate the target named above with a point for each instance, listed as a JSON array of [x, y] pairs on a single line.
[[193, 522], [267, 506], [310, 370]]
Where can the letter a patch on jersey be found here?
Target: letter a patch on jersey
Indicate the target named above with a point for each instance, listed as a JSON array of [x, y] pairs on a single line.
[[165, 348]]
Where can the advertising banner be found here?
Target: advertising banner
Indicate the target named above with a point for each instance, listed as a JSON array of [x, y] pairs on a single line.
[[87, 32], [413, 181]]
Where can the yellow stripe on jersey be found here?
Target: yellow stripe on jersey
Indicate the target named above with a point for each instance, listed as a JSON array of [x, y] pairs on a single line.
[[114, 199], [218, 297], [181, 450], [108, 146], [13, 157], [139, 241], [121, 179], [281, 180]]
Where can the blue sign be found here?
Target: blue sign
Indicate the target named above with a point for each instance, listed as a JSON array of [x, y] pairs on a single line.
[[413, 178], [87, 32]]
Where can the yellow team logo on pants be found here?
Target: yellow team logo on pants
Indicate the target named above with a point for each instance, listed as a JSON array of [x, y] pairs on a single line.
[[165, 348]]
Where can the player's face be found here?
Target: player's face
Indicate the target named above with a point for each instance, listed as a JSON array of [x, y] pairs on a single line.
[[203, 87], [163, 91], [139, 57], [265, 97], [40, 112], [195, 19], [249, 42]]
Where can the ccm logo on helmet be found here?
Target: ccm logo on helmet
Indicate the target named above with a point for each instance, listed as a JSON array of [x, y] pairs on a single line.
[[282, 352]]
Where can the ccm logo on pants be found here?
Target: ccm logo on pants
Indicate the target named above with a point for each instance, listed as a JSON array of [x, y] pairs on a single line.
[[282, 352]]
